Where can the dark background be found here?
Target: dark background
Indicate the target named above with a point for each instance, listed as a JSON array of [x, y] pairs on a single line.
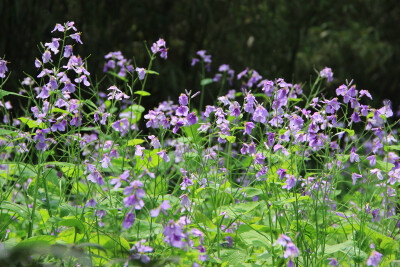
[[359, 39]]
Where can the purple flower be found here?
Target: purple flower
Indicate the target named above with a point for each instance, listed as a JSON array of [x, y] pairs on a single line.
[[248, 127], [283, 240], [137, 193], [91, 203], [259, 159], [372, 160], [159, 46], [68, 51], [194, 61], [186, 181], [377, 172], [354, 156], [53, 46], [140, 249], [290, 182], [83, 79], [121, 126], [46, 57], [268, 87], [155, 143], [192, 118], [333, 262], [59, 126], [281, 173], [139, 150], [260, 114], [174, 235], [250, 100], [163, 155], [3, 68], [206, 58], [327, 73], [185, 201], [235, 109], [76, 37], [291, 250], [355, 176], [374, 259], [376, 217], [129, 220], [105, 161], [59, 28], [182, 111], [141, 72], [366, 93], [183, 100], [163, 207]]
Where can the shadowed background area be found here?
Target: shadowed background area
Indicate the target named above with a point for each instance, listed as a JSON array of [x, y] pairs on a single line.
[[290, 39]]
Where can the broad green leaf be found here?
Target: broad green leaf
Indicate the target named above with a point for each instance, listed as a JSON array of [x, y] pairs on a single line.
[[134, 142], [110, 241], [206, 81], [295, 99], [392, 147], [15, 208], [7, 132], [204, 220], [60, 111], [69, 236], [236, 210], [143, 229], [330, 249], [233, 256], [231, 139], [3, 93], [31, 123], [73, 222], [142, 93], [350, 132], [117, 76], [251, 191], [251, 237], [384, 166], [152, 72], [40, 240]]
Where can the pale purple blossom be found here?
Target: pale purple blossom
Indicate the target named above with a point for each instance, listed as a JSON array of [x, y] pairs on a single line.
[[374, 259], [327, 73]]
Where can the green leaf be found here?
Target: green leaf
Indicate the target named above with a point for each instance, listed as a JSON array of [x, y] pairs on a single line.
[[143, 229], [251, 192], [31, 123], [135, 142], [231, 139], [40, 240], [60, 111], [392, 147], [152, 72], [206, 81], [142, 93], [233, 256], [330, 249], [15, 208], [236, 210], [295, 99], [117, 76], [350, 132], [73, 222], [251, 237], [384, 166], [7, 132], [3, 93]]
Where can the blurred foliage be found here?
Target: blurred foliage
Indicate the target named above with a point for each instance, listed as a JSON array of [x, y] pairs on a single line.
[[279, 38]]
